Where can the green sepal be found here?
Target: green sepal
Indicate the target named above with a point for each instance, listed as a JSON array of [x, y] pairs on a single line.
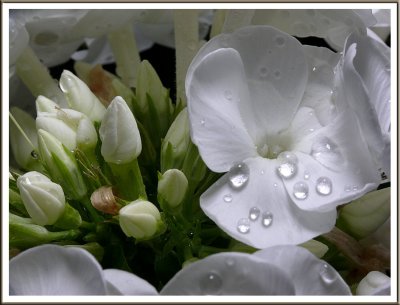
[[70, 219]]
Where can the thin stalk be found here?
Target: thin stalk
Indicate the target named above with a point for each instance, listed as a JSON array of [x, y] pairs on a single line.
[[126, 53], [186, 46]]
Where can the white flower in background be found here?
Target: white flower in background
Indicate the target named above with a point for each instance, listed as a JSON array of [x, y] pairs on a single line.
[[119, 133], [262, 107], [56, 270], [280, 270], [43, 199], [374, 283]]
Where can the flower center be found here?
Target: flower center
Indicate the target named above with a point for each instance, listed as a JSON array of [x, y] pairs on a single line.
[[273, 146]]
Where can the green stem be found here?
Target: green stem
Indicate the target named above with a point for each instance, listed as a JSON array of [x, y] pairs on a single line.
[[236, 19], [129, 180], [88, 226], [208, 250], [94, 216], [126, 53], [218, 22], [186, 46], [37, 78]]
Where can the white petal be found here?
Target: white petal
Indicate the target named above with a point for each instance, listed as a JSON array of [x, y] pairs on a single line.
[[339, 153], [310, 275], [125, 283], [375, 283], [226, 206], [218, 85], [319, 89], [54, 270], [229, 274], [276, 72]]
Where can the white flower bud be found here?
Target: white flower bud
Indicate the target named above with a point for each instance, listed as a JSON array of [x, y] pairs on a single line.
[[44, 104], [119, 133], [375, 283], [80, 97], [176, 142], [172, 187], [140, 219], [21, 148], [43, 199], [72, 128], [61, 165]]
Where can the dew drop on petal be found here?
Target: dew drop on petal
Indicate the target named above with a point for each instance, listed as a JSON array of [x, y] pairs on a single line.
[[254, 213], [243, 225], [300, 190], [266, 219], [326, 152], [287, 170], [230, 262], [228, 95], [347, 188], [202, 122], [262, 172], [327, 274], [306, 175], [355, 188], [314, 69], [228, 198], [287, 156], [324, 186], [239, 175], [211, 283], [275, 184]]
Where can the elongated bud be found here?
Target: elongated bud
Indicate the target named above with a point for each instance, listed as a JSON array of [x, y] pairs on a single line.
[[44, 104], [103, 199], [72, 128], [375, 283], [80, 97], [140, 219], [176, 142], [172, 187], [24, 154], [366, 214], [61, 165], [43, 199], [119, 133]]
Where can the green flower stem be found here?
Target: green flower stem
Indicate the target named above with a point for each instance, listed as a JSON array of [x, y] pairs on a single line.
[[129, 181], [37, 78], [186, 46], [218, 22], [126, 53], [94, 216], [235, 19], [88, 226]]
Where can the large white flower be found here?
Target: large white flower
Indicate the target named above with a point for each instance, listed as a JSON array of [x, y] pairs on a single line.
[[263, 107], [56, 270]]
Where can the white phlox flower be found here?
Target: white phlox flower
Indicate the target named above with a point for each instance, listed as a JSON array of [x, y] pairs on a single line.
[[280, 270], [56, 270], [263, 108]]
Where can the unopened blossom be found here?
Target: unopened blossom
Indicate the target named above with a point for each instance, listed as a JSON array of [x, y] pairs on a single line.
[[119, 133], [262, 108], [43, 199], [55, 270], [374, 283], [172, 187]]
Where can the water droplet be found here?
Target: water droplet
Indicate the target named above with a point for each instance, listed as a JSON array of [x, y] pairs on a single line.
[[327, 273], [228, 95], [275, 184], [280, 41], [347, 188], [314, 69], [228, 198], [355, 188], [324, 186], [243, 225], [266, 219], [311, 130], [254, 213], [230, 262], [277, 74], [326, 152], [34, 154], [306, 175], [300, 190], [262, 172], [239, 175], [311, 113], [263, 72], [288, 167], [202, 122], [211, 283]]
